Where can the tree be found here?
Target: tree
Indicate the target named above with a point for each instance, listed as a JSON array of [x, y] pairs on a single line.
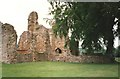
[[91, 23]]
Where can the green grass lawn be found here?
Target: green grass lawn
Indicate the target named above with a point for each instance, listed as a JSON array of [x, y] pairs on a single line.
[[59, 69]]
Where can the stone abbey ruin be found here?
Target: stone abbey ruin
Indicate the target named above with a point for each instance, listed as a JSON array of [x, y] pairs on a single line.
[[37, 44]]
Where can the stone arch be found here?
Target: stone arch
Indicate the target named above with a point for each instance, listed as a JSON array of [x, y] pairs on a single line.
[[58, 50]]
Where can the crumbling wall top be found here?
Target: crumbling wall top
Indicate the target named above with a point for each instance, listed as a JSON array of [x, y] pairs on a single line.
[[33, 16], [32, 21]]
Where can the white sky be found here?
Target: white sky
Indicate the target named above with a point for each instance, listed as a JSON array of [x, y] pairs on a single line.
[[15, 12]]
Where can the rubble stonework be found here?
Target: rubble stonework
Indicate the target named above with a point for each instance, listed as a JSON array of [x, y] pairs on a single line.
[[35, 41], [58, 43], [39, 41], [82, 59], [1, 41], [9, 43], [24, 41], [32, 21], [39, 44]]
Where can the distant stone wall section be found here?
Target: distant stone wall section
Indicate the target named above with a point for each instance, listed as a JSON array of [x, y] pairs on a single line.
[[82, 59]]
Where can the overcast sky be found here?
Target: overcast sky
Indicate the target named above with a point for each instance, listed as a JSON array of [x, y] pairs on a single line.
[[15, 12]]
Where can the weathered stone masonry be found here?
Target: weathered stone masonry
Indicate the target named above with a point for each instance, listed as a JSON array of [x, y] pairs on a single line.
[[1, 41], [9, 42], [34, 42], [38, 44]]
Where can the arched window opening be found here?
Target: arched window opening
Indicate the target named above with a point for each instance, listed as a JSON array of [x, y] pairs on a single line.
[[58, 50]]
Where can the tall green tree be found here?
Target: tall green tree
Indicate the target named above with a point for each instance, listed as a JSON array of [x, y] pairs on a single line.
[[91, 23]]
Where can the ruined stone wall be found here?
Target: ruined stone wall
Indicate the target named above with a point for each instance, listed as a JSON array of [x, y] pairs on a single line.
[[27, 57], [9, 40], [35, 41], [38, 44], [32, 21], [24, 41], [1, 42], [24, 57], [82, 59], [57, 43], [42, 41]]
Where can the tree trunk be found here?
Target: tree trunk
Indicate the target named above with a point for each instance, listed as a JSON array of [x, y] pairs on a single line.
[[110, 45], [110, 38], [75, 48]]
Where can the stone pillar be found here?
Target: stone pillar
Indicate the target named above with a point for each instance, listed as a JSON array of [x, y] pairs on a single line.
[[33, 45], [32, 25], [32, 21]]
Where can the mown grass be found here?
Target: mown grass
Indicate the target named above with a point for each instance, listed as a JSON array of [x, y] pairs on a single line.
[[0, 69], [59, 69]]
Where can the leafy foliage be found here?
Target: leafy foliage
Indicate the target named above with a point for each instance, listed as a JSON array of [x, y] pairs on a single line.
[[91, 23]]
